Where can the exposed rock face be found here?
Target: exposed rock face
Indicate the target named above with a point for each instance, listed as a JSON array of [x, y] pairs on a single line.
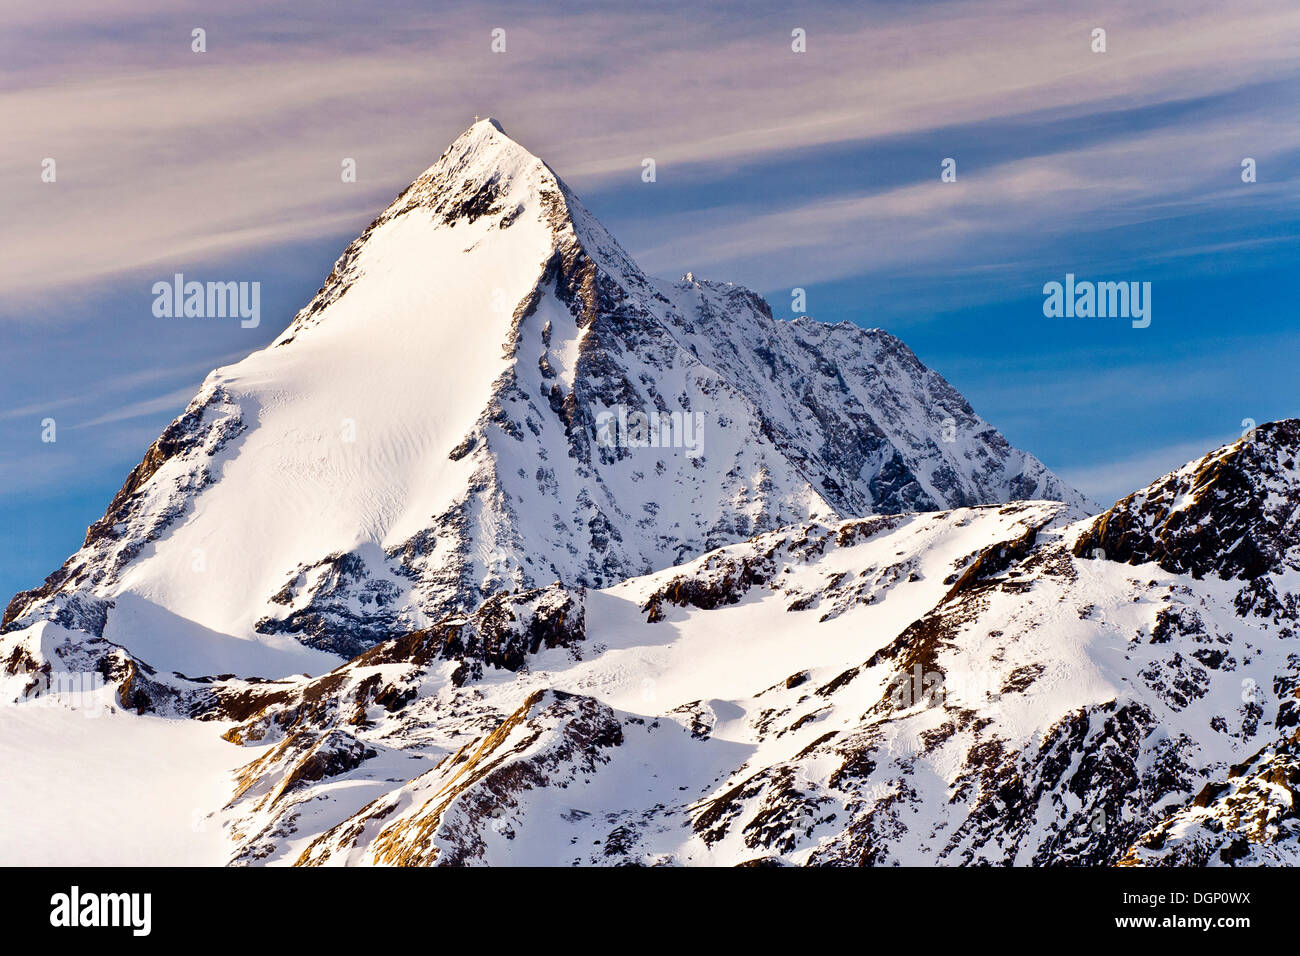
[[46, 657], [1249, 818], [501, 634], [1233, 513], [438, 426], [554, 740]]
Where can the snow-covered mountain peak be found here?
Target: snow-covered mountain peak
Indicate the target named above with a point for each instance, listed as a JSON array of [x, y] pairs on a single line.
[[487, 394], [485, 172], [488, 164], [481, 153]]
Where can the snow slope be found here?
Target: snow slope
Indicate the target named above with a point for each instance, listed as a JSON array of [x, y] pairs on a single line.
[[85, 785]]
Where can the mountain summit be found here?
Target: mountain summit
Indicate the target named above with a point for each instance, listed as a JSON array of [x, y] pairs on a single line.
[[488, 395]]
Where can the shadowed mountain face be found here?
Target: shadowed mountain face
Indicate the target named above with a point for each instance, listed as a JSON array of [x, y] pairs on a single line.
[[487, 395]]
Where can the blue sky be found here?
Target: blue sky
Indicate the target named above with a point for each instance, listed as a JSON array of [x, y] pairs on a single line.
[[775, 170]]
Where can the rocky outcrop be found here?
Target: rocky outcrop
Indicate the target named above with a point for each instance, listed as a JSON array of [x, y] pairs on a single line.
[[1230, 514]]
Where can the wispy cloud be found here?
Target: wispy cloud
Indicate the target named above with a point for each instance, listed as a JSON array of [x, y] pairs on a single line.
[[1055, 196], [164, 154], [150, 406], [104, 389]]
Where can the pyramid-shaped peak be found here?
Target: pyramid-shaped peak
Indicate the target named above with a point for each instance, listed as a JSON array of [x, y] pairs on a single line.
[[488, 148], [397, 440], [483, 172], [486, 129]]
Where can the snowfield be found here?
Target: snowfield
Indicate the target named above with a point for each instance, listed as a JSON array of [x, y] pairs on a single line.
[[86, 786]]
